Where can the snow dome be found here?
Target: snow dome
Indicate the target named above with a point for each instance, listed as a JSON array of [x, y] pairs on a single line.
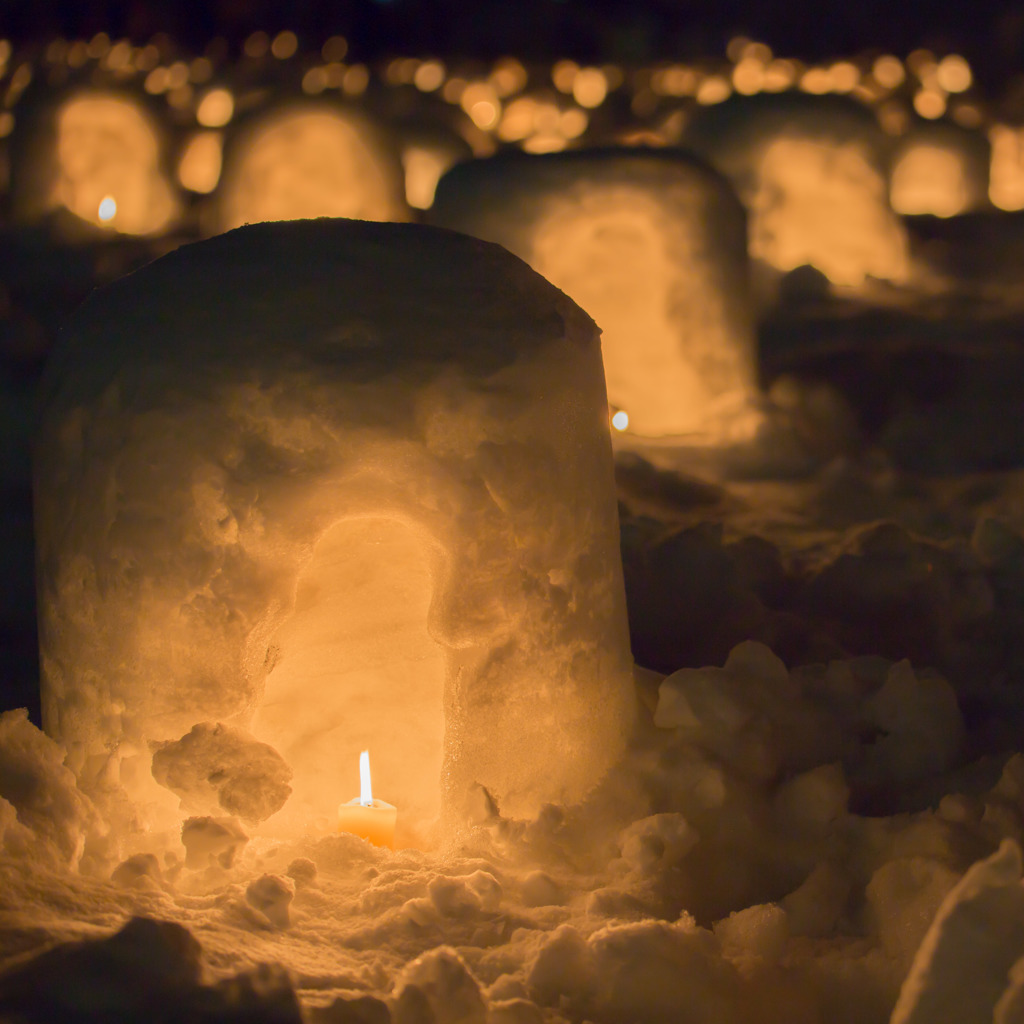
[[309, 160], [653, 245], [812, 173], [99, 155], [311, 488]]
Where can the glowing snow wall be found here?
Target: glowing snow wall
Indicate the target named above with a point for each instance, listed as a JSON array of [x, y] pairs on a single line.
[[812, 172], [308, 488], [653, 245], [309, 160], [98, 155]]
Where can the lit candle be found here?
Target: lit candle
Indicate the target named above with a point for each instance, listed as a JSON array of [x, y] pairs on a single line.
[[373, 820]]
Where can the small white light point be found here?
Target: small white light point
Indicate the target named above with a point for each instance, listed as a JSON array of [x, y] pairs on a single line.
[[108, 209], [620, 420]]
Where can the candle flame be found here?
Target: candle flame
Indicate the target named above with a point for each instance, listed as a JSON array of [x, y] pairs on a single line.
[[365, 792], [108, 208], [620, 420]]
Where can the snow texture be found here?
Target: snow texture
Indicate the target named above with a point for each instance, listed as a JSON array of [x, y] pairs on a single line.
[[210, 419], [653, 245]]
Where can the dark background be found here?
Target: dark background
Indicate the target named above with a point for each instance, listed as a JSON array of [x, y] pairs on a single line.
[[989, 32]]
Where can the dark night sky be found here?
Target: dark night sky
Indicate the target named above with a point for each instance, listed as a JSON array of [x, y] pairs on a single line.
[[989, 32]]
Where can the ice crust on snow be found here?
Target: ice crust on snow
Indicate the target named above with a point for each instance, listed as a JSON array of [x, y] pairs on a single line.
[[653, 245], [355, 492]]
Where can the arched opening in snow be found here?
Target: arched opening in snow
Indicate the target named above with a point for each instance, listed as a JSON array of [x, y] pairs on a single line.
[[354, 668]]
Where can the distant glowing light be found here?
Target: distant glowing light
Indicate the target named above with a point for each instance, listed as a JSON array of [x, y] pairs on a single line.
[[620, 421], [748, 76], [216, 108], [334, 49], [563, 74], [107, 209], [200, 166], [508, 76], [284, 45], [590, 87], [429, 76], [888, 71], [954, 73], [929, 104], [365, 789], [930, 179], [356, 79], [481, 102], [714, 89], [845, 76], [423, 170], [257, 45], [816, 81], [314, 81], [1006, 173]]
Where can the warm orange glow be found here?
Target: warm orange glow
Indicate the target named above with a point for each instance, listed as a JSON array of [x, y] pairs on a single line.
[[481, 102], [107, 147], [508, 76], [612, 254], [107, 208], [358, 639], [748, 76], [312, 163], [429, 76], [1006, 175], [930, 104], [200, 165], [954, 73], [714, 89], [216, 108], [424, 166], [930, 179], [590, 87], [334, 49], [284, 45], [563, 74], [826, 205], [888, 71]]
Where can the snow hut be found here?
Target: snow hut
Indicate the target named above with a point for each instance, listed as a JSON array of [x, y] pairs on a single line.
[[812, 172], [940, 169], [309, 159], [310, 488], [100, 155], [653, 245]]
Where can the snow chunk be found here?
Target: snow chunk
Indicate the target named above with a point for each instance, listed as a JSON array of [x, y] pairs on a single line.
[[961, 968], [438, 987], [272, 895], [53, 816], [922, 729], [217, 767], [658, 842], [761, 931], [209, 840], [149, 970], [140, 871]]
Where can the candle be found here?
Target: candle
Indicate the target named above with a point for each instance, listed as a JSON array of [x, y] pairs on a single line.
[[372, 820]]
